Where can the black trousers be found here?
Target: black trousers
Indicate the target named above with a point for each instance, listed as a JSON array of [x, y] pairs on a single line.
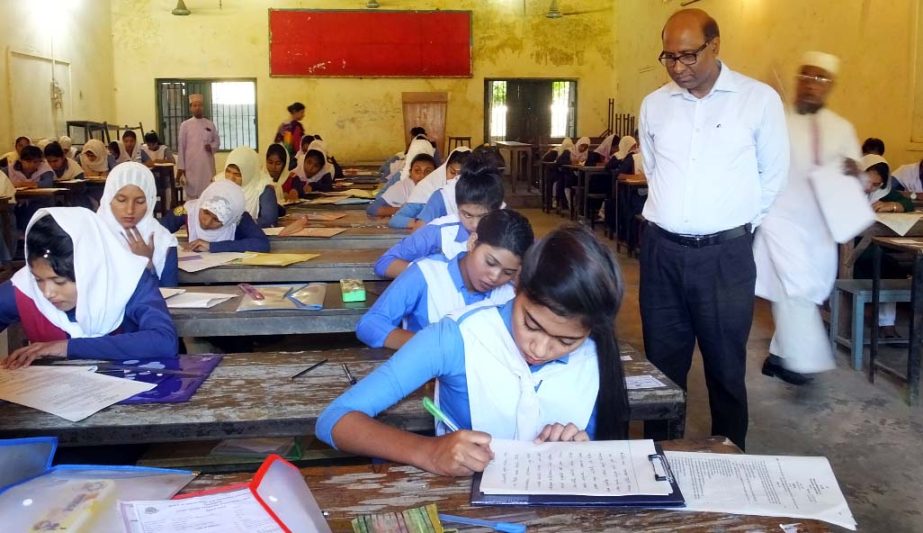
[[706, 295]]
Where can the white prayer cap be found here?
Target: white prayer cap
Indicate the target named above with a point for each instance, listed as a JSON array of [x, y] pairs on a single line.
[[193, 98], [871, 160], [828, 62]]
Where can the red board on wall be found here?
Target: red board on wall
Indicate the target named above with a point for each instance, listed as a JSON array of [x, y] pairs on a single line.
[[331, 43]]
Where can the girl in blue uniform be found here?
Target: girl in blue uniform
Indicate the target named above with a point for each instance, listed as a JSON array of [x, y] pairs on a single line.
[[479, 191], [556, 335], [218, 221], [83, 295], [406, 216], [243, 168], [127, 209], [435, 286]]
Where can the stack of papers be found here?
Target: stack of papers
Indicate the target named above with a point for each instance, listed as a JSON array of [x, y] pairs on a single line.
[[197, 300], [325, 233], [168, 292], [901, 223], [276, 259], [198, 261], [762, 485], [69, 392]]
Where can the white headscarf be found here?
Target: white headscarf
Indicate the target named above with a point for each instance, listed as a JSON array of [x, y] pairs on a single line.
[[626, 143], [134, 173], [434, 181], [253, 182], [417, 147], [225, 199], [567, 145], [97, 148], [277, 185], [578, 156], [605, 148], [124, 156], [867, 162], [106, 273], [317, 146]]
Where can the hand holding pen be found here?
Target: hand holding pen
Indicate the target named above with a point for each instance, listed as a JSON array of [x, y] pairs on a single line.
[[460, 452]]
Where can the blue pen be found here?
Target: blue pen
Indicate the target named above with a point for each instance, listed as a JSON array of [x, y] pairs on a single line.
[[434, 410], [505, 527]]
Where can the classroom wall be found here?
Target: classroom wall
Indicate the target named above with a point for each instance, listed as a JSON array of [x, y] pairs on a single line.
[[359, 118], [876, 39], [75, 31]]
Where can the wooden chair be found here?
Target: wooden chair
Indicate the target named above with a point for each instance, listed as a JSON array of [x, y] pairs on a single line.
[[455, 142], [859, 291]]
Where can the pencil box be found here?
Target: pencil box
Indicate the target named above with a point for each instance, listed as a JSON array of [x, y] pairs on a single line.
[[353, 290]]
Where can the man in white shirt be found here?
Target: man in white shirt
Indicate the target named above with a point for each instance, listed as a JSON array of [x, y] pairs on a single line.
[[796, 255], [909, 176], [715, 151], [198, 143]]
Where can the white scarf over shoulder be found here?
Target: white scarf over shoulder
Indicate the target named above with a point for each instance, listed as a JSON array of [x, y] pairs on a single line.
[[224, 199]]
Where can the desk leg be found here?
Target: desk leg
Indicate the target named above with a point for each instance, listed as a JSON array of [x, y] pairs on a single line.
[[916, 331], [876, 300], [677, 426], [528, 169], [584, 183], [615, 214]]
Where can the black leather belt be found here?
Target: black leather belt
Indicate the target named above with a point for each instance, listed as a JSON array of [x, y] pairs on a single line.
[[701, 241]]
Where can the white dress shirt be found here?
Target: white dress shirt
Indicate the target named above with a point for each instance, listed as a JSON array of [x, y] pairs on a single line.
[[909, 177], [713, 163]]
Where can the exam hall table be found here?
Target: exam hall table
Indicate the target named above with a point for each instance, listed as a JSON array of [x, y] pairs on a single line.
[[344, 492], [349, 239], [305, 205], [223, 320], [330, 265], [252, 395], [349, 219]]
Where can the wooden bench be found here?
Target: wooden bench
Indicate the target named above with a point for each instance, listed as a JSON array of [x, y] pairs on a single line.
[[859, 292], [330, 265]]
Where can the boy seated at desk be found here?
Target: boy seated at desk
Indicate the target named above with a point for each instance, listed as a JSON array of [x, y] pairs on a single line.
[[64, 167]]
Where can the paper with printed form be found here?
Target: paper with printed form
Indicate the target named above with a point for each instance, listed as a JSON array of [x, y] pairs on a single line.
[[645, 381], [197, 300], [901, 223], [225, 512], [197, 261], [592, 468], [71, 393], [762, 485]]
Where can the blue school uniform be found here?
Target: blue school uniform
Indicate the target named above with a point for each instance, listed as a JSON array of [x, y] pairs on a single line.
[[248, 237], [422, 295], [448, 237], [437, 351], [434, 208], [405, 215], [269, 208], [147, 331], [170, 275]]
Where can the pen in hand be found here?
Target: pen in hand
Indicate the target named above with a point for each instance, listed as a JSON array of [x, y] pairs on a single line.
[[349, 375], [437, 413]]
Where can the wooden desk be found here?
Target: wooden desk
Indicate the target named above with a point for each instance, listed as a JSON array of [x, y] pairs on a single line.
[[223, 320], [251, 395], [623, 187], [247, 395], [912, 246], [348, 491], [376, 237], [517, 149], [8, 224], [305, 206], [850, 251], [350, 219], [331, 265], [56, 194], [581, 192]]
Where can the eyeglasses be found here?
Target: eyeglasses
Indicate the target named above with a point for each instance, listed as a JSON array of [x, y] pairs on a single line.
[[816, 79], [687, 58]]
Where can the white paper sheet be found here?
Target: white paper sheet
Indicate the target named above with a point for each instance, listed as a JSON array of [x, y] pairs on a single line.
[[227, 512], [167, 292], [900, 223], [71, 393], [645, 381], [197, 261], [272, 231], [762, 485], [593, 468], [197, 300]]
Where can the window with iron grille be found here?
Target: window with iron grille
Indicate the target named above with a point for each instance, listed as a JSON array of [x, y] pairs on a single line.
[[229, 103], [529, 109]]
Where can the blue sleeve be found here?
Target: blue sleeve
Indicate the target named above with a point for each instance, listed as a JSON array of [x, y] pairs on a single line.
[[372, 209], [421, 243], [433, 209], [9, 313], [173, 222], [170, 275], [148, 330], [111, 162], [591, 425], [437, 351], [405, 215], [269, 208], [46, 179], [402, 297], [144, 157], [248, 238], [392, 179], [325, 184]]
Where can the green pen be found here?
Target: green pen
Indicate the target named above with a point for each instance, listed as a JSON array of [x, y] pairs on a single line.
[[434, 410]]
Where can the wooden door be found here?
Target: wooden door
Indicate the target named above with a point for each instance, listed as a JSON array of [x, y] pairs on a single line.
[[427, 110]]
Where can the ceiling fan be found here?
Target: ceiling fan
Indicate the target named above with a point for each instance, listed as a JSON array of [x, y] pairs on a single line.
[[554, 12]]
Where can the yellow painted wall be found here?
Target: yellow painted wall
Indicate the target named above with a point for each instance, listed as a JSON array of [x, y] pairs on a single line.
[[877, 40], [78, 31], [359, 118]]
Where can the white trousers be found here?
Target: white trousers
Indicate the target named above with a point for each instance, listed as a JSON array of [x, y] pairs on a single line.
[[800, 338], [887, 313]]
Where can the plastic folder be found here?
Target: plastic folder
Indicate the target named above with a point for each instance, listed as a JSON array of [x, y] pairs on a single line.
[[661, 471], [35, 496], [280, 489]]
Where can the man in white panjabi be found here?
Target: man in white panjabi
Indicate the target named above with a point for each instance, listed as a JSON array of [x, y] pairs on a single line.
[[198, 142], [795, 252]]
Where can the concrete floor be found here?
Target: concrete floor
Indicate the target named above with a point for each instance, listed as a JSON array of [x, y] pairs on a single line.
[[867, 431]]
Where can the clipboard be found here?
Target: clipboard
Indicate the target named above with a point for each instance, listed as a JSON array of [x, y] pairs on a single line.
[[662, 473]]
